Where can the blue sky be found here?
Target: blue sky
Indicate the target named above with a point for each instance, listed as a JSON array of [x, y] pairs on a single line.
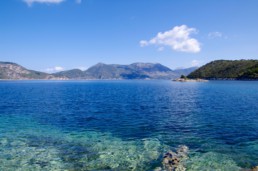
[[51, 35]]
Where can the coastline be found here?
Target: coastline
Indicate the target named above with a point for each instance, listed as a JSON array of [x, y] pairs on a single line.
[[190, 80], [175, 80]]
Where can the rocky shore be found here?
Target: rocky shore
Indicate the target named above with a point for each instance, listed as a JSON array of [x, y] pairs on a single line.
[[190, 80]]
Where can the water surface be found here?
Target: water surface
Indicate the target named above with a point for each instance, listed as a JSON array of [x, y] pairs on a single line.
[[127, 125]]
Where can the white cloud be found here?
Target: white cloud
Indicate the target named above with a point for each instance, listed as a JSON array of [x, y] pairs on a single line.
[[55, 69], [178, 38], [30, 2], [82, 68], [216, 34], [143, 43], [195, 63], [161, 48], [78, 1]]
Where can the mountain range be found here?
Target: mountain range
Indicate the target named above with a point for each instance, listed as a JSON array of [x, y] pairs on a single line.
[[13, 71]]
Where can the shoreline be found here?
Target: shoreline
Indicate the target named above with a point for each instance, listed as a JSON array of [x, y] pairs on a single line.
[[175, 80], [190, 80]]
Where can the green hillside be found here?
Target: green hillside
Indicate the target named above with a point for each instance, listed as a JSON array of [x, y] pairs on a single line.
[[228, 69]]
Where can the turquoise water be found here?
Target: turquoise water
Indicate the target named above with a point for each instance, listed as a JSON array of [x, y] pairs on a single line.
[[127, 125]]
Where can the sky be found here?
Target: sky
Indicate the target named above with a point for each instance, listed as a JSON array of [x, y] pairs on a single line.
[[55, 35]]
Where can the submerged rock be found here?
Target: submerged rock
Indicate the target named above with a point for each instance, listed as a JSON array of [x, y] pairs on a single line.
[[255, 168], [212, 161], [173, 161]]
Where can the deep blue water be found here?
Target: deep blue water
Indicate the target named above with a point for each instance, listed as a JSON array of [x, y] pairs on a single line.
[[127, 125]]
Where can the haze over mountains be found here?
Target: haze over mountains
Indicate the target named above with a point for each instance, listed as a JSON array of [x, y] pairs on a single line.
[[9, 70]]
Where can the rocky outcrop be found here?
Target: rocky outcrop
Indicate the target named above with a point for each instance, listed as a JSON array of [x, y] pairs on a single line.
[[13, 71], [255, 168], [174, 161], [190, 80]]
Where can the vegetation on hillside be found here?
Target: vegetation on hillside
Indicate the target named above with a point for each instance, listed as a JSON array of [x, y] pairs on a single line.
[[227, 69]]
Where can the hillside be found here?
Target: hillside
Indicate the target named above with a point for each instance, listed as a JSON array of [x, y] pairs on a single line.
[[104, 71], [228, 69], [132, 71], [71, 74], [9, 70]]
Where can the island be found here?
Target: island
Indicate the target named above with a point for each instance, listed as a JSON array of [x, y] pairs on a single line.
[[227, 70], [183, 78]]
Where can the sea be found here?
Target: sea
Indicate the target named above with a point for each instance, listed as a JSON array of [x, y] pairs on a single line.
[[129, 125]]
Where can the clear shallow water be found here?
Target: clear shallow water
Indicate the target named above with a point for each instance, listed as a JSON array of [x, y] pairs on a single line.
[[127, 125]]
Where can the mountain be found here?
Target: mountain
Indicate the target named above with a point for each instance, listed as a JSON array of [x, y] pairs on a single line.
[[132, 71], [9, 70], [71, 74], [152, 71], [228, 69], [104, 71]]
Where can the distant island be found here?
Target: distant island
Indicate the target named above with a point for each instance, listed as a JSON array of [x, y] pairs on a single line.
[[100, 71], [227, 70], [183, 78]]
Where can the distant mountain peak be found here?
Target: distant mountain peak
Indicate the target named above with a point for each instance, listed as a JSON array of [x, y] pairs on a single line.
[[100, 64], [13, 71], [8, 63], [143, 63]]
